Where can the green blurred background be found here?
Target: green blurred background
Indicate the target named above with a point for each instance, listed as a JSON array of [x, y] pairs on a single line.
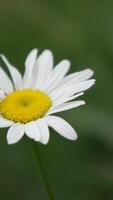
[[81, 31]]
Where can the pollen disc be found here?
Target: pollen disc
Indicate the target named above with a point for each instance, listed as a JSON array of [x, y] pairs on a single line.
[[25, 105]]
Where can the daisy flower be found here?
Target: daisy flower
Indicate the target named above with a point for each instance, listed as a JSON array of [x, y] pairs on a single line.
[[28, 102]]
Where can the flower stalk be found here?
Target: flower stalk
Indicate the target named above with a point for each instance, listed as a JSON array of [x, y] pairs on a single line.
[[42, 171]]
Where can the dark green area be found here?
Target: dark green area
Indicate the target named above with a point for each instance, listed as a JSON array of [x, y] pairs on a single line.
[[81, 31]]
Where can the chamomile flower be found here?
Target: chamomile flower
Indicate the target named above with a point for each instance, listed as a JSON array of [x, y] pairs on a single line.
[[28, 103]]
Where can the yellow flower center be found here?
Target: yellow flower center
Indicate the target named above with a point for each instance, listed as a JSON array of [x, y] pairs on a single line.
[[25, 105]]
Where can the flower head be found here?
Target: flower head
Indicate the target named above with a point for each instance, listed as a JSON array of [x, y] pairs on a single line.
[[27, 103]]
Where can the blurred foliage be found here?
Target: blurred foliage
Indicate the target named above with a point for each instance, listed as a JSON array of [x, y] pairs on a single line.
[[81, 31]]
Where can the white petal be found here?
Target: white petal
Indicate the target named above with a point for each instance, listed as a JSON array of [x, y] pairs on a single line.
[[63, 91], [5, 82], [32, 131], [5, 123], [57, 74], [65, 106], [2, 94], [44, 131], [62, 127], [66, 99], [79, 76], [82, 86], [31, 58], [15, 133], [43, 67], [15, 74], [29, 64]]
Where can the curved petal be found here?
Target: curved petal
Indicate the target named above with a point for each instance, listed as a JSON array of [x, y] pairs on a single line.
[[64, 99], [15, 133], [29, 64], [79, 76], [42, 68], [57, 75], [65, 106], [62, 127], [44, 131], [31, 58], [32, 131], [5, 82], [71, 90], [5, 123], [15, 74]]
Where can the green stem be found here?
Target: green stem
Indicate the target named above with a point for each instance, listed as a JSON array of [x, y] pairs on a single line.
[[42, 170]]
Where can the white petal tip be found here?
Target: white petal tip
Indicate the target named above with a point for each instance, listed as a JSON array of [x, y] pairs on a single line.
[[42, 141], [81, 93], [35, 49], [45, 143], [3, 57], [10, 142], [67, 62], [91, 83], [73, 137], [90, 71], [93, 80], [47, 52], [83, 103]]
